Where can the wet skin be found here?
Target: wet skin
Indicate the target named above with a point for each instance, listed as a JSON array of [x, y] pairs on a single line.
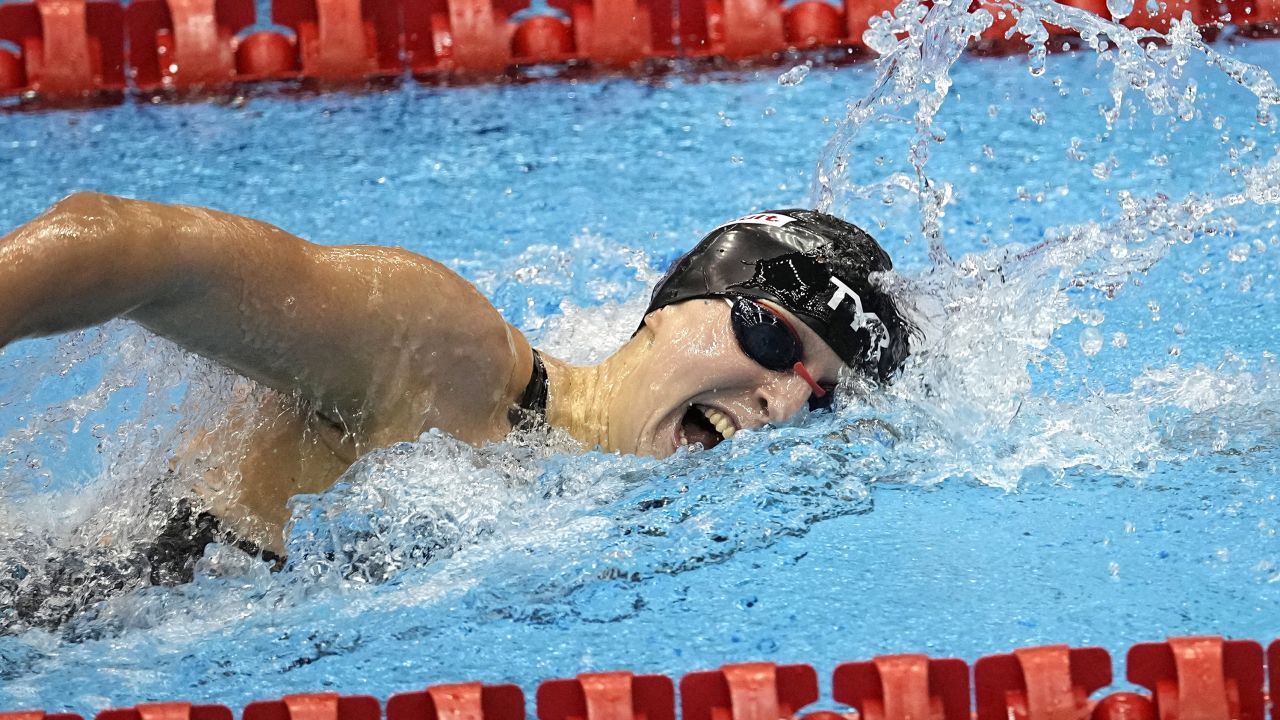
[[363, 346]]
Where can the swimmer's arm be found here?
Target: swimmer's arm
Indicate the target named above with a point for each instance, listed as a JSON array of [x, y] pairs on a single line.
[[356, 329]]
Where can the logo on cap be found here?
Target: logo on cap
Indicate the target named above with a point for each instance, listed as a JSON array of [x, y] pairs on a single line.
[[861, 319]]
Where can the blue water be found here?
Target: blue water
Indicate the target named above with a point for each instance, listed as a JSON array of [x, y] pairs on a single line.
[[1057, 465]]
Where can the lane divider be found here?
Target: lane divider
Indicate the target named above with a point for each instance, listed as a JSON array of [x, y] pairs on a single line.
[[70, 50], [1187, 678]]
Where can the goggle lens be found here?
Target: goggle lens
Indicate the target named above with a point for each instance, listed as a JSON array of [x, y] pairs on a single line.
[[769, 340], [763, 336]]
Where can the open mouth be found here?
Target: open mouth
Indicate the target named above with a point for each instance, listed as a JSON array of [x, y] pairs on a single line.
[[704, 426]]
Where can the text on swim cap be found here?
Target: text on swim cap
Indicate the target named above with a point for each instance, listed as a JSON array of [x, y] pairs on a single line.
[[861, 319], [770, 219]]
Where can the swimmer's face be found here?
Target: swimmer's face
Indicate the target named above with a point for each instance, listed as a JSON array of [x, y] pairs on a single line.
[[693, 383]]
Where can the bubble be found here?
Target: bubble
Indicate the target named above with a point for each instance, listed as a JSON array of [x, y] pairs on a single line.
[[1092, 317], [1038, 116], [1074, 152], [1119, 340], [1239, 252], [1091, 341]]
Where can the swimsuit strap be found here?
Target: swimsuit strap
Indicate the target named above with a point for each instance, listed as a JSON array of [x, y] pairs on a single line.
[[532, 410]]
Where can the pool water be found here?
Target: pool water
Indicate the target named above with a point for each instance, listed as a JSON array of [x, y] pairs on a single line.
[[1083, 450]]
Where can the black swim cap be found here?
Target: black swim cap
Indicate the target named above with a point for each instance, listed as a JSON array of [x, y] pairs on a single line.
[[815, 265]]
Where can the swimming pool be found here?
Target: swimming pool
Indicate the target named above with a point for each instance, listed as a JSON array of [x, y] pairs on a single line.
[[1086, 453]]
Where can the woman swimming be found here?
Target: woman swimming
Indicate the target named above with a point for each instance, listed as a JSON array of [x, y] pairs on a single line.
[[369, 345]]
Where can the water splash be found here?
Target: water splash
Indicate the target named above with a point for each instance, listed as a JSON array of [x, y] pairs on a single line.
[[990, 319], [531, 532]]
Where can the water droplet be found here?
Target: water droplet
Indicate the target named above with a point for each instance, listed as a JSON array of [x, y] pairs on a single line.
[[1038, 116], [1119, 8], [794, 76], [736, 159], [1239, 252]]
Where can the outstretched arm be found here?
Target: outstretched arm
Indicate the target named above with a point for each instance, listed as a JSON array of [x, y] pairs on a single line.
[[368, 333]]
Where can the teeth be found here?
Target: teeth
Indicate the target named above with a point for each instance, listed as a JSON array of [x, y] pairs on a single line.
[[723, 424]]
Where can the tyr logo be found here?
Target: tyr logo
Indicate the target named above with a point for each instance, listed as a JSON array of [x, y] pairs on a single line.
[[861, 318]]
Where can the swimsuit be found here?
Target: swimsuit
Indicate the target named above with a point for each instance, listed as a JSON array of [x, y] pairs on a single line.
[[74, 579], [47, 589], [531, 412]]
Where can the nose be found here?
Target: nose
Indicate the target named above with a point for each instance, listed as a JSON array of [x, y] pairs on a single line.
[[782, 396]]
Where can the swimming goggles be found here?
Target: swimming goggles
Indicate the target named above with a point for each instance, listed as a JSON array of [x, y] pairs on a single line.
[[768, 339]]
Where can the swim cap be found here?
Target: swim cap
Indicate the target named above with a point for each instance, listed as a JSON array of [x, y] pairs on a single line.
[[815, 265]]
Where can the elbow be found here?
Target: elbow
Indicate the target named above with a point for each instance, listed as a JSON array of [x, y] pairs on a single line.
[[91, 219], [84, 205]]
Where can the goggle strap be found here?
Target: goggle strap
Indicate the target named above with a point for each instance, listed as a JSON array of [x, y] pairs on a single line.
[[818, 390]]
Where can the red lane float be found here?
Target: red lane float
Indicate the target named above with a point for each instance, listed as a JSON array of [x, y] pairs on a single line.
[[1273, 681], [748, 691], [1052, 682], [1256, 18], [998, 39], [167, 711], [184, 44], [459, 35], [266, 55], [1201, 678], [542, 39], [904, 687], [608, 696], [812, 24], [460, 701], [315, 706], [343, 40], [620, 33], [72, 48], [1158, 15], [733, 29], [1194, 678], [69, 49]]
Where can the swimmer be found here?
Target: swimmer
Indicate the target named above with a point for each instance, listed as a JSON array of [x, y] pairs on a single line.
[[365, 346]]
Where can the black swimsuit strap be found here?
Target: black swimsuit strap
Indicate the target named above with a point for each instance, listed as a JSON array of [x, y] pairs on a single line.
[[532, 410]]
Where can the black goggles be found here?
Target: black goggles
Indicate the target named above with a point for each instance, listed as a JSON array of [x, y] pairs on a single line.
[[768, 339]]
